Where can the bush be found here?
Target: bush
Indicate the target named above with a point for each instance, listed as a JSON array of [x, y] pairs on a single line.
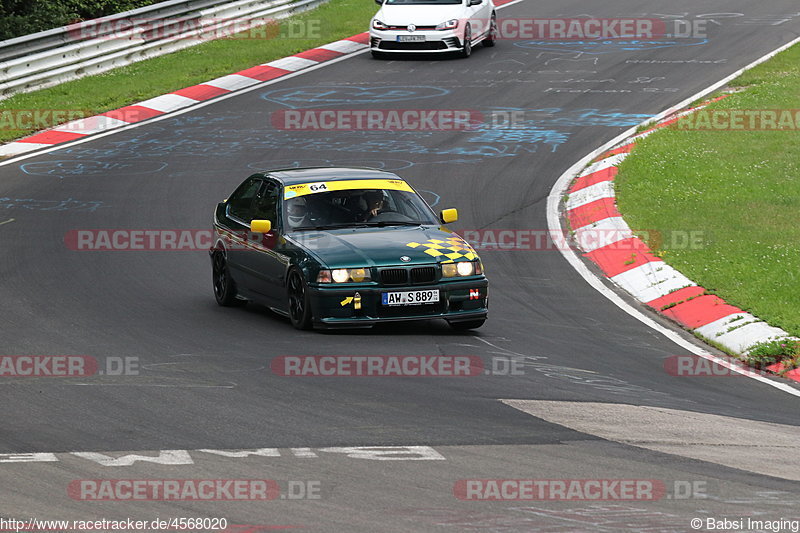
[[22, 17], [764, 354]]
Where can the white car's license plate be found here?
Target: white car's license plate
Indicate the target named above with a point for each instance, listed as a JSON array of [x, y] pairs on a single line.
[[410, 297], [411, 38]]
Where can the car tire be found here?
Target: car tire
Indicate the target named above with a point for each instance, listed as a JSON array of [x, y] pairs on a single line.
[[467, 50], [467, 324], [224, 286], [299, 300], [491, 38]]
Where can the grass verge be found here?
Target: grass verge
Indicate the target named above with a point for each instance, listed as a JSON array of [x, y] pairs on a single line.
[[739, 190], [116, 88]]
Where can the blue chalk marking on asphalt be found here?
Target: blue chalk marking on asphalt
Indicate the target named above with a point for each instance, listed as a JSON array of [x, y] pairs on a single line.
[[71, 168], [332, 95], [607, 47], [344, 142], [550, 127], [555, 116], [425, 193], [521, 135], [85, 151], [481, 150], [386, 164], [69, 204]]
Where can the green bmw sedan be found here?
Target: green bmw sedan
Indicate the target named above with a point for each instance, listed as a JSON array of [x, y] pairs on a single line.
[[344, 247]]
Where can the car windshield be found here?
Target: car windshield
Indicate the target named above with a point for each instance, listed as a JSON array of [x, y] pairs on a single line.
[[355, 208], [418, 2]]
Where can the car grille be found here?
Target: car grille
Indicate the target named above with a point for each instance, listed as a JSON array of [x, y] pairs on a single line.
[[419, 28], [394, 276], [423, 275], [427, 45], [404, 276], [452, 42]]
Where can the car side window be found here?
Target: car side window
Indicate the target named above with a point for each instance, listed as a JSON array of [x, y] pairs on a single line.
[[240, 204], [266, 205]]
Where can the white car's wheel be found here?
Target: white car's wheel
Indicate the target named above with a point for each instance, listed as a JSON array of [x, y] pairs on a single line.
[[491, 38], [467, 50]]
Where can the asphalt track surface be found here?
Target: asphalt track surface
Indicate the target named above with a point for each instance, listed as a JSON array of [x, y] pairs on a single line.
[[205, 379]]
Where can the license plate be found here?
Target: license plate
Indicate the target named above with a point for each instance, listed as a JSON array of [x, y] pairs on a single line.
[[410, 297], [411, 38]]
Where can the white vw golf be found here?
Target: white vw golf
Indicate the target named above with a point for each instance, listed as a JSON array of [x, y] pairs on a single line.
[[407, 26]]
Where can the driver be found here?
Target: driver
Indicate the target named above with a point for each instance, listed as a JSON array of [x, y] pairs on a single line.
[[375, 202]]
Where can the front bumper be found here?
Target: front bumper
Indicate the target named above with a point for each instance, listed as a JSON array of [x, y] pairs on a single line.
[[458, 301], [435, 41]]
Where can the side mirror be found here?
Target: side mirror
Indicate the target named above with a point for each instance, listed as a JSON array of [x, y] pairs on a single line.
[[260, 226], [448, 215], [475, 2]]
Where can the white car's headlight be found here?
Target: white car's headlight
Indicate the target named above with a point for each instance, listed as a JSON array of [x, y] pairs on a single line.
[[378, 25], [449, 25], [461, 268], [343, 275]]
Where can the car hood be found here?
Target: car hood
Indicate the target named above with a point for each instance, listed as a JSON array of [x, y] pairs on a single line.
[[369, 247], [425, 15]]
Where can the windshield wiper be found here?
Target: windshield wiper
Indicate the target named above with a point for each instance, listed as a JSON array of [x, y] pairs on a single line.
[[380, 224], [393, 223], [322, 227]]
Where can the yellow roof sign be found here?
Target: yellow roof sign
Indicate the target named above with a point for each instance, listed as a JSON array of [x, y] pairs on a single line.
[[302, 189]]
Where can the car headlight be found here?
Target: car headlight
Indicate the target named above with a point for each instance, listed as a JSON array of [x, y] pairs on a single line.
[[449, 25], [461, 269], [344, 275], [378, 25]]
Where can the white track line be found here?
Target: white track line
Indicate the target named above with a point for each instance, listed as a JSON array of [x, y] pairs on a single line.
[[554, 224]]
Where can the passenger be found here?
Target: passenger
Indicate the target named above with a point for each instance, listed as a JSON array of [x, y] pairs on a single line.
[[297, 213]]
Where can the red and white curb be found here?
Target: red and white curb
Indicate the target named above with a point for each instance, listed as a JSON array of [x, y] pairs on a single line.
[[186, 97], [628, 262]]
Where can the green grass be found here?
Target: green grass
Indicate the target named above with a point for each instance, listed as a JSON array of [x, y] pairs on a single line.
[[741, 189], [146, 79]]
